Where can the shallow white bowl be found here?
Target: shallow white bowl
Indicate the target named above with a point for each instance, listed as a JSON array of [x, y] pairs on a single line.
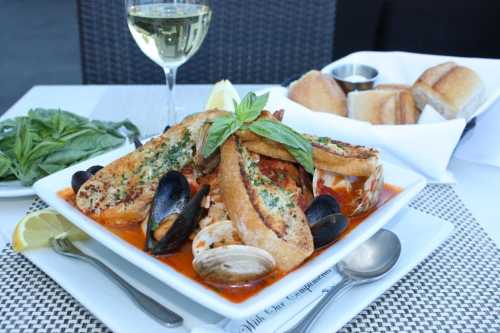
[[47, 189]]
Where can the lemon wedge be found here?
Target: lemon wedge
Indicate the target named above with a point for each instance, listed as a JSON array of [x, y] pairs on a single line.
[[35, 230], [222, 96]]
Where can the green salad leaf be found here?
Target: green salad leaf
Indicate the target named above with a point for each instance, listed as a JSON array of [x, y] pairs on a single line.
[[48, 140]]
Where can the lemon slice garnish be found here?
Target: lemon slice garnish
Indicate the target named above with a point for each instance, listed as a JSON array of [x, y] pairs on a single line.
[[222, 96], [35, 230]]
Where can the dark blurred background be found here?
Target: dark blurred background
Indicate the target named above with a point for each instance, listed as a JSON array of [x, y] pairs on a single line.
[[249, 41]]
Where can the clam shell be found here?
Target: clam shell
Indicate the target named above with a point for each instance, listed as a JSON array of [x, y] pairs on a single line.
[[233, 265], [215, 235]]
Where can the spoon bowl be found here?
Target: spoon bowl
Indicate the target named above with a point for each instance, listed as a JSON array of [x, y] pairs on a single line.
[[373, 258], [368, 262]]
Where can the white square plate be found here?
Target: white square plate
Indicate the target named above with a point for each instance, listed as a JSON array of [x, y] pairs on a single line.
[[47, 188]]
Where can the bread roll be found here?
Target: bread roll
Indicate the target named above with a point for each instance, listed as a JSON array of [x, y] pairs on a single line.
[[319, 92], [454, 91], [393, 86], [383, 106]]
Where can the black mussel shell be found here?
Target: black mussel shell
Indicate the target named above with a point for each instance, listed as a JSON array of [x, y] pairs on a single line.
[[79, 178], [172, 194], [323, 205], [137, 142], [183, 226], [93, 169], [328, 229]]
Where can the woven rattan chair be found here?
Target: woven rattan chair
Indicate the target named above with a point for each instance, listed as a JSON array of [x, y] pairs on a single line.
[[249, 41]]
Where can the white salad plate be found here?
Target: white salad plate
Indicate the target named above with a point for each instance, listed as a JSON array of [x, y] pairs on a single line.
[[14, 189], [410, 183]]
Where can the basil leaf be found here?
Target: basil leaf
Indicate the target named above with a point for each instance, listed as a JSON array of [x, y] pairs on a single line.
[[305, 158], [279, 132], [24, 139], [4, 166], [251, 107], [221, 129], [297, 145], [42, 149]]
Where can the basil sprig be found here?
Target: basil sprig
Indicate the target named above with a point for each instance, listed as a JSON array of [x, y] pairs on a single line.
[[245, 117]]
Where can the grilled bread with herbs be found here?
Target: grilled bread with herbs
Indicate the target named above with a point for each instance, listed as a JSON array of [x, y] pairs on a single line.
[[120, 193], [266, 214]]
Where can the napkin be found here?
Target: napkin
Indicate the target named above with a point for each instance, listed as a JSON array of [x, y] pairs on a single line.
[[426, 148], [480, 144]]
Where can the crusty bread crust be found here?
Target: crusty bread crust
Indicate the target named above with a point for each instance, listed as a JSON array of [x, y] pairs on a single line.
[[392, 86], [319, 92], [454, 91], [289, 249], [386, 105], [108, 199]]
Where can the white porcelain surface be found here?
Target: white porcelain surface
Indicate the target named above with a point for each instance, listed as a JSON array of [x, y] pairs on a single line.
[[47, 189]]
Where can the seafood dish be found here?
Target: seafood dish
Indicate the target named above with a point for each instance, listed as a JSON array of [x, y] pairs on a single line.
[[234, 201]]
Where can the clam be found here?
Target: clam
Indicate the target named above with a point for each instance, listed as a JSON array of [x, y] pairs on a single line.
[[215, 235], [221, 260], [233, 265], [325, 220]]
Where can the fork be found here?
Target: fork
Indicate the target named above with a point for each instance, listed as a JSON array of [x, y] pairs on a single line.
[[157, 311]]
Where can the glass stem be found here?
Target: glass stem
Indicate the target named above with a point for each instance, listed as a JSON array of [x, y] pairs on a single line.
[[170, 73]]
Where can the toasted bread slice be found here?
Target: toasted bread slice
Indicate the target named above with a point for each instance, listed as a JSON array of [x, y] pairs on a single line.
[[266, 215], [120, 193], [328, 154]]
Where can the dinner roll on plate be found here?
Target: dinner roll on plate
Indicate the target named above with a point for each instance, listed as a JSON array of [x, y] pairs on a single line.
[[319, 92], [452, 90]]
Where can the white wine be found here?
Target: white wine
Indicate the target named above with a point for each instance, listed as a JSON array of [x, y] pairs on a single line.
[[169, 33]]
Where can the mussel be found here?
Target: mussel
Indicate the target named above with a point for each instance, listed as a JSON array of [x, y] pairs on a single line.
[[137, 142], [94, 169], [79, 178], [221, 259], [325, 220], [173, 214], [203, 164]]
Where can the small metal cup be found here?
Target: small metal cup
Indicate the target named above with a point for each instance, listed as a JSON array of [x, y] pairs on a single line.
[[342, 72]]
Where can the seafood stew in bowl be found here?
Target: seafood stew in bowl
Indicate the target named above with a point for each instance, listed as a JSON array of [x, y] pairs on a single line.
[[227, 226]]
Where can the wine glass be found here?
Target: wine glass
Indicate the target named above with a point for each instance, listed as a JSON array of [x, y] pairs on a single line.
[[169, 32]]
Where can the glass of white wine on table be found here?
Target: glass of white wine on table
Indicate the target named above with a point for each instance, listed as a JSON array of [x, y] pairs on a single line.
[[169, 32]]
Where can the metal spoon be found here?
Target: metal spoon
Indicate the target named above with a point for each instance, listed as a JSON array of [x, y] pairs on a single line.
[[157, 311], [367, 263]]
